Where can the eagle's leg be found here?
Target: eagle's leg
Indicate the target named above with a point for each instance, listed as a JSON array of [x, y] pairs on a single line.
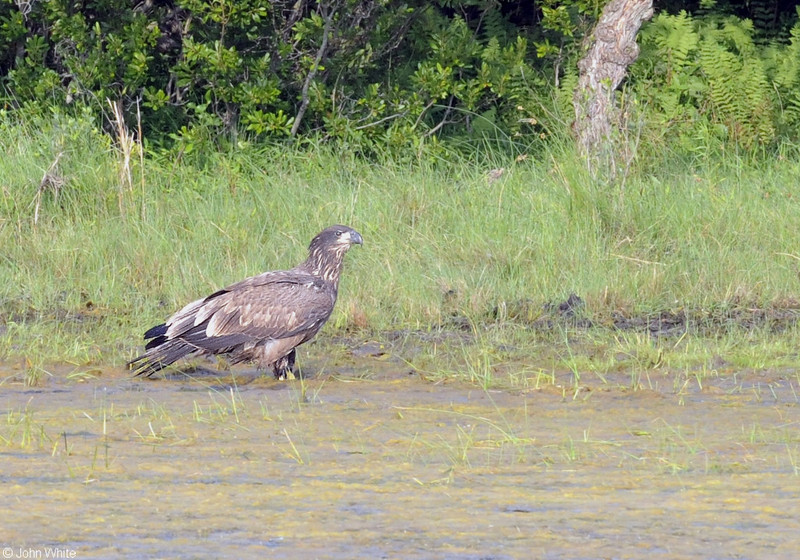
[[221, 363], [284, 366]]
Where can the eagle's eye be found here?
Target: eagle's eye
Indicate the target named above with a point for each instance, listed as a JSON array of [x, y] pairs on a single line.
[[338, 233]]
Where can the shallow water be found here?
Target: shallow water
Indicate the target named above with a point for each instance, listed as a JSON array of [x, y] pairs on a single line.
[[338, 466]]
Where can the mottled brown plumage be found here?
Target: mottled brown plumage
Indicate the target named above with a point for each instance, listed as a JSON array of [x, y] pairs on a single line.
[[262, 318]]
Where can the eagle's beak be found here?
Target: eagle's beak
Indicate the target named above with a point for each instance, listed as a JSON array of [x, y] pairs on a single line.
[[355, 238]]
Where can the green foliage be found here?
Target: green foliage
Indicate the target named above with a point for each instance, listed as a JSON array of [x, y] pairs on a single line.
[[198, 75], [710, 74], [785, 62], [738, 90], [369, 73]]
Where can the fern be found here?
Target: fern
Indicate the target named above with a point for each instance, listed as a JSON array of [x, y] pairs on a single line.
[[719, 67], [495, 24], [665, 71], [763, 13], [737, 34], [712, 69], [786, 64], [757, 119], [675, 39], [739, 91], [566, 89]]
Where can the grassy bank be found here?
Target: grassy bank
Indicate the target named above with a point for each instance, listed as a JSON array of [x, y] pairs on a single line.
[[89, 261]]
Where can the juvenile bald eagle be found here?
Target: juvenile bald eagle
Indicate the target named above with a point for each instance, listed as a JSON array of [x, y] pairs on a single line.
[[262, 318]]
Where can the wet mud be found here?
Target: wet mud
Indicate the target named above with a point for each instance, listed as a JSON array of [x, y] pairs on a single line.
[[778, 316], [370, 460]]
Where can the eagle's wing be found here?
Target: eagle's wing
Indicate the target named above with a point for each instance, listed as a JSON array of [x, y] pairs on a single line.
[[273, 305]]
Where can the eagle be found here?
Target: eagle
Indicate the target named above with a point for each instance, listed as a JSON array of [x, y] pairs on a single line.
[[263, 318]]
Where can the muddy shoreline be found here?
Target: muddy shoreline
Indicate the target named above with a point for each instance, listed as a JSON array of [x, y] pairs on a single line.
[[371, 455]]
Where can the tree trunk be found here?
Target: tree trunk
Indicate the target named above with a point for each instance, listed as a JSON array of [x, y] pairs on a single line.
[[611, 48]]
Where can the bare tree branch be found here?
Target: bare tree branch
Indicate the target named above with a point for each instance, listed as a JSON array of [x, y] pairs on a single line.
[[422, 113], [313, 72], [444, 120], [381, 121]]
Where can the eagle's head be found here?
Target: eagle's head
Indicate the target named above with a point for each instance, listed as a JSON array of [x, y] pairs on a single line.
[[327, 249], [336, 238]]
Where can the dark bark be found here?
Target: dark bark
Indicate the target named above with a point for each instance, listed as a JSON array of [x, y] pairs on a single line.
[[610, 49]]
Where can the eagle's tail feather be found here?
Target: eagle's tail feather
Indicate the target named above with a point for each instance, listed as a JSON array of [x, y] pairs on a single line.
[[160, 356], [156, 336], [158, 330]]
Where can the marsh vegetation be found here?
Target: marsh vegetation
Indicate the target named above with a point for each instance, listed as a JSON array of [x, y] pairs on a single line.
[[531, 358]]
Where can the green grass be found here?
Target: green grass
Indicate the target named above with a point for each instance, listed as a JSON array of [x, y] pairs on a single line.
[[105, 261]]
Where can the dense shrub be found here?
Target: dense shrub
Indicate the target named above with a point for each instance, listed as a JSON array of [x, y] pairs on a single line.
[[362, 70], [378, 74]]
